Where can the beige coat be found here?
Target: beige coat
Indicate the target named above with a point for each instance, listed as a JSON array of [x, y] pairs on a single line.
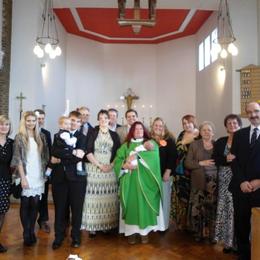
[[197, 153]]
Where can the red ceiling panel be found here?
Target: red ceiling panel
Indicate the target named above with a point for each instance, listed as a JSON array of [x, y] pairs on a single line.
[[103, 21]]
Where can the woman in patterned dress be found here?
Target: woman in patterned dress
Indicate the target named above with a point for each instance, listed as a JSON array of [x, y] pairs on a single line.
[[203, 196], [6, 151], [181, 190], [224, 231], [31, 155], [101, 208]]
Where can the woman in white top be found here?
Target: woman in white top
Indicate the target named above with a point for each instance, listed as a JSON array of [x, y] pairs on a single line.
[[30, 158]]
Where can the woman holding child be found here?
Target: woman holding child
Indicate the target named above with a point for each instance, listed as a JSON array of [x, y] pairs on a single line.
[[137, 167]]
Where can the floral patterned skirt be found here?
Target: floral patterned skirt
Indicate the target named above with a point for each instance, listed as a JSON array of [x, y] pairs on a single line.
[[180, 201], [202, 208]]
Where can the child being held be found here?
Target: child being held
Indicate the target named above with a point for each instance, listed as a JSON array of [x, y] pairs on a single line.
[[63, 140]]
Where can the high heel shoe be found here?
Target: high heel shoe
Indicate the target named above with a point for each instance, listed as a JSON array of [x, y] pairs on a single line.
[[2, 249]]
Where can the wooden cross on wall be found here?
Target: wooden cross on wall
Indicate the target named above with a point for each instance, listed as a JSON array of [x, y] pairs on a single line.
[[21, 97]]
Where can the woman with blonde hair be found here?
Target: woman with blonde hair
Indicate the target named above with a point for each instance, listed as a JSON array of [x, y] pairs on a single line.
[[30, 158], [168, 156], [6, 151]]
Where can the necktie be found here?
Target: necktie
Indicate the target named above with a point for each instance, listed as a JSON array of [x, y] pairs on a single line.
[[254, 137]]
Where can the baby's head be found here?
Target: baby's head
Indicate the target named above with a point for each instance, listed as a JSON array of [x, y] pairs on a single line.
[[64, 123]]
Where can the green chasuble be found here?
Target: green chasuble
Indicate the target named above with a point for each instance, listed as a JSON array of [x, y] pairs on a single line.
[[140, 189]]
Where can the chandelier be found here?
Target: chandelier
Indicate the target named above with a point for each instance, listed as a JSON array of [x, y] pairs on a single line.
[[136, 22], [47, 42], [225, 40]]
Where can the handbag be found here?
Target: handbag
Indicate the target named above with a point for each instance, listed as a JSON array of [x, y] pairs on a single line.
[[180, 167], [16, 190]]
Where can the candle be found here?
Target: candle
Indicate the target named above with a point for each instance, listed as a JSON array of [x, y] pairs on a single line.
[[68, 105]]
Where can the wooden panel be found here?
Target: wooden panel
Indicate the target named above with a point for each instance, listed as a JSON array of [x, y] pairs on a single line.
[[249, 86]]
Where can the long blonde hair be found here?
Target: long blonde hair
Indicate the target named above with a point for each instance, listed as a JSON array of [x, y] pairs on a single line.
[[166, 133], [24, 133]]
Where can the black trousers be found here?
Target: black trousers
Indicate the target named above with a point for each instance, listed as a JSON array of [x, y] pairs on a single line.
[[243, 204], [72, 194], [43, 206]]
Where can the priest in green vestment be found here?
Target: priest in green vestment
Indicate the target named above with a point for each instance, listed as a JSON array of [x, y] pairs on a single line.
[[137, 167]]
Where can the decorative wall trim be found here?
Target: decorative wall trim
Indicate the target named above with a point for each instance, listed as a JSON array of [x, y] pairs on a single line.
[[6, 48]]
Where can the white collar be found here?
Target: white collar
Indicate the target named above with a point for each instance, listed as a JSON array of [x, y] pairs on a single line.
[[252, 127], [73, 131], [139, 140]]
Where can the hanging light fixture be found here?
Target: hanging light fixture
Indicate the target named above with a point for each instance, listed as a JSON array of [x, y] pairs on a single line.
[[47, 42], [224, 43], [136, 22]]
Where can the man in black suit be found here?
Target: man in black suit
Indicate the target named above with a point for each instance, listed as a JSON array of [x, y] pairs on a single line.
[[245, 183], [43, 206], [85, 125], [113, 117], [68, 187]]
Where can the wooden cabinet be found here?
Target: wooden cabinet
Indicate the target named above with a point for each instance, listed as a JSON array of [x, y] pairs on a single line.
[[249, 86]]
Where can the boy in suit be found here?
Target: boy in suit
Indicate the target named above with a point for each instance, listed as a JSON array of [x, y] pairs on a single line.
[[68, 187]]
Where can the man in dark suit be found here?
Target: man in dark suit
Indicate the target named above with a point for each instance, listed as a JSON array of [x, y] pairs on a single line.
[[85, 125], [113, 117], [245, 183], [43, 206], [68, 187], [131, 116]]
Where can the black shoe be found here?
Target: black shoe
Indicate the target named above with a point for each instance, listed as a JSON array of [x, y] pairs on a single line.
[[33, 238], [75, 243], [227, 250], [44, 226], [92, 234], [2, 249], [27, 242], [56, 244], [198, 239]]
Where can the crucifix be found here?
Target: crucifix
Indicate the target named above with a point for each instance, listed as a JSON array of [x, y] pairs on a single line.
[[130, 96], [21, 97]]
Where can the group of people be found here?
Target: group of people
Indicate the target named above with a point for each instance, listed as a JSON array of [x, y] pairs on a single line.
[[112, 176]]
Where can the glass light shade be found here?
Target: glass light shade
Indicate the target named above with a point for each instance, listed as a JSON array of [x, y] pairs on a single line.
[[48, 48], [58, 51], [37, 49], [52, 54], [40, 53], [232, 49], [223, 54]]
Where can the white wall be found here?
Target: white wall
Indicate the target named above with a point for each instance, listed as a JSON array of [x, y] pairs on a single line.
[[176, 81], [98, 74], [40, 86], [244, 22]]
